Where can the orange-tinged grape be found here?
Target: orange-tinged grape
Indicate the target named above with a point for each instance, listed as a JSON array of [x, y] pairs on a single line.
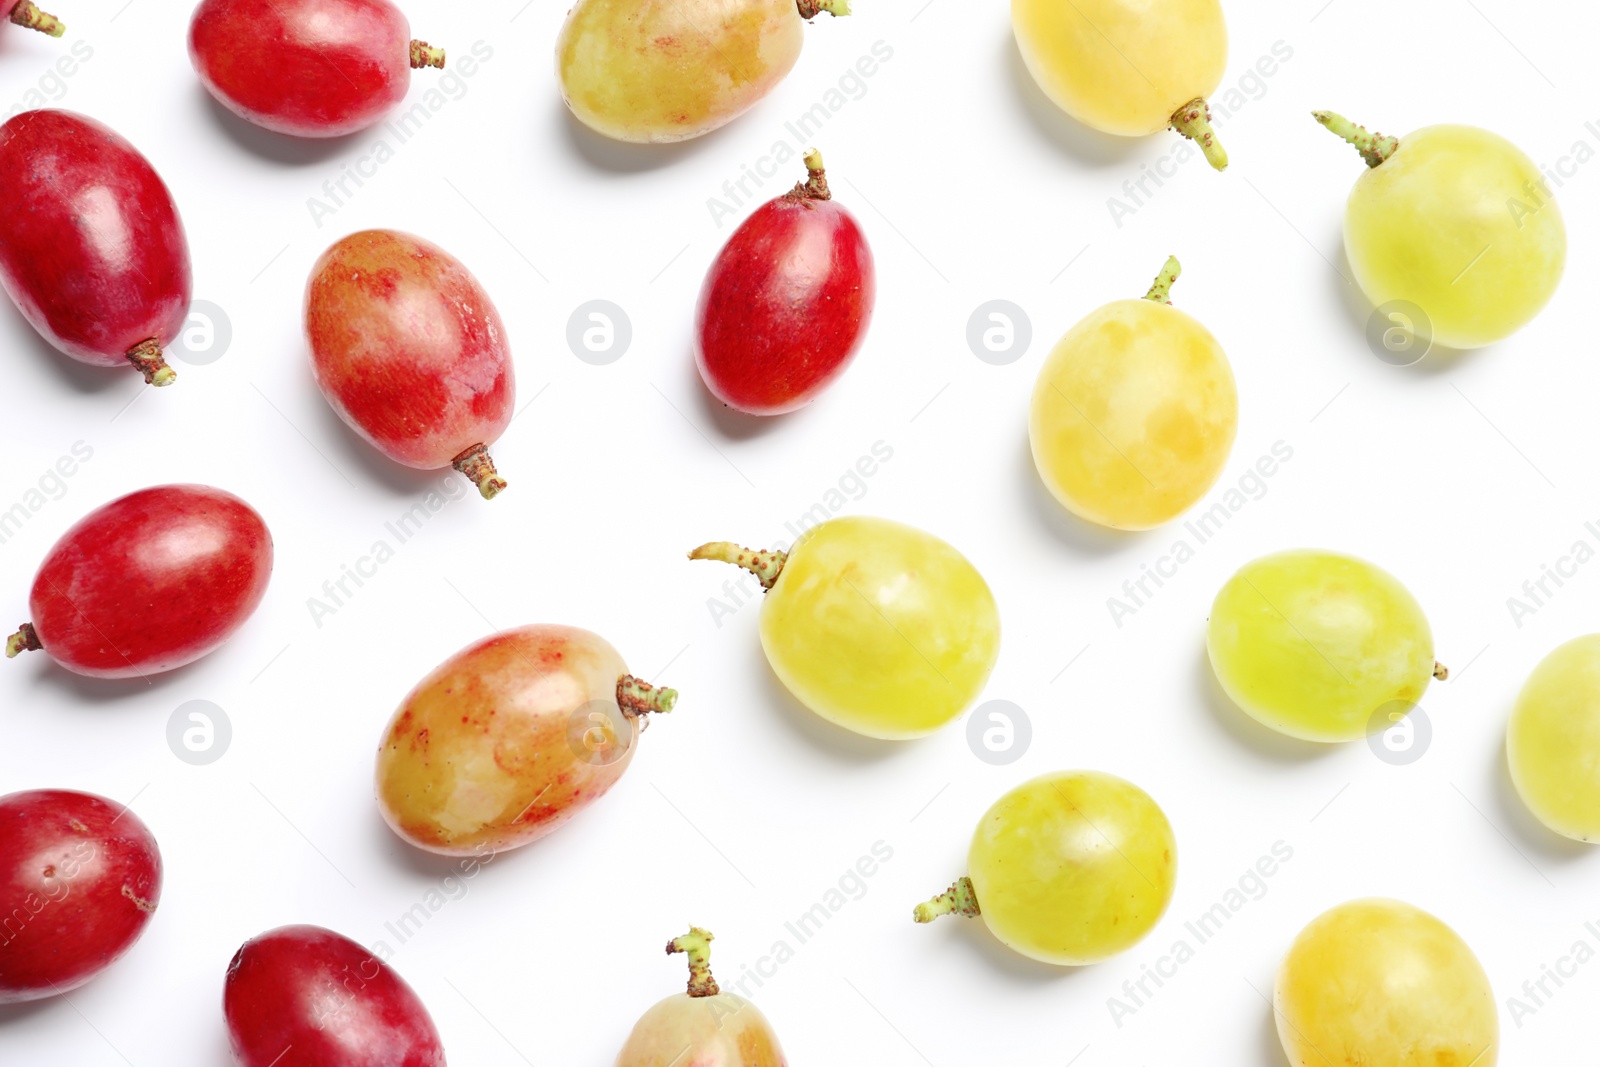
[[1128, 67], [1380, 983], [1456, 221], [1553, 741], [1134, 413], [668, 70]]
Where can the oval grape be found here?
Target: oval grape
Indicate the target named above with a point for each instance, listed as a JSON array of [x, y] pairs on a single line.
[[1553, 740], [703, 1025]]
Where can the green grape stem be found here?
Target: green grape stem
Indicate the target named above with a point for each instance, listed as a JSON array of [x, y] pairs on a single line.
[[637, 697], [147, 358], [1440, 671], [424, 54], [28, 14], [479, 469], [26, 639], [1193, 120], [810, 9], [1375, 148], [766, 566], [696, 944], [959, 899], [1161, 288], [815, 187]]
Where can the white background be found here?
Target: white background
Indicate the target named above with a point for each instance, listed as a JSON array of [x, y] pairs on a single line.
[[1463, 476]]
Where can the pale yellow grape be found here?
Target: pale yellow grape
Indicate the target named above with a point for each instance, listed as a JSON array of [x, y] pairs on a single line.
[[1379, 983], [1314, 644], [1134, 414], [1553, 741]]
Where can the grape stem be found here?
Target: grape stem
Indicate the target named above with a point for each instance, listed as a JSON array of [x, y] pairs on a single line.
[[810, 9], [637, 697], [1161, 288], [26, 639], [1375, 148], [424, 54], [959, 899], [1440, 671], [28, 14], [696, 944], [477, 466], [766, 566], [148, 358], [1193, 120], [815, 187]]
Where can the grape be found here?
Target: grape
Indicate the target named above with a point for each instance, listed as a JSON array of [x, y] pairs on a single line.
[[411, 353], [1553, 740], [875, 626], [1128, 67], [786, 304], [148, 583], [1316, 644], [80, 878], [27, 14], [310, 68], [1134, 413], [1457, 221], [92, 251], [1383, 984], [302, 996], [703, 1025], [1070, 868], [668, 72], [510, 738]]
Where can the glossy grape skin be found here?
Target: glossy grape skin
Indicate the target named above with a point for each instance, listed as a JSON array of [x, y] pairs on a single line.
[[1122, 66], [785, 307], [1134, 415], [490, 751], [302, 996], [81, 878], [1074, 867], [1553, 740], [653, 72], [409, 349], [880, 628], [151, 581], [721, 1031], [308, 68], [1416, 226], [1383, 984], [1314, 644], [92, 251]]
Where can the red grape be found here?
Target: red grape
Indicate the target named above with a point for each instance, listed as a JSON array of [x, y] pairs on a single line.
[[81, 877], [786, 305], [302, 996], [310, 68], [27, 13], [410, 351], [510, 738], [91, 247], [148, 582]]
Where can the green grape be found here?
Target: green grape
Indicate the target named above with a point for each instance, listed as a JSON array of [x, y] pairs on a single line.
[[874, 625], [1379, 983], [1070, 868], [1134, 412], [1553, 741], [1457, 221], [1320, 646]]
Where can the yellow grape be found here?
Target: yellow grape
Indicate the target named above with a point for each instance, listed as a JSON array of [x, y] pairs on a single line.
[[1380, 983], [1457, 221], [1553, 742], [874, 625], [640, 70], [1070, 868], [1134, 413], [1128, 67], [1314, 644]]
